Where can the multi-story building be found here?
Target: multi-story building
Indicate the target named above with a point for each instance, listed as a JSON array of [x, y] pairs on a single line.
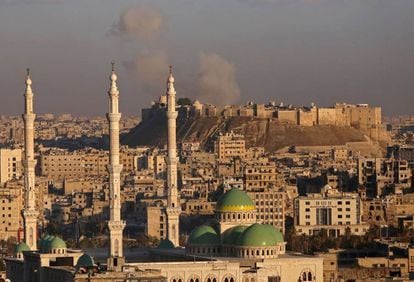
[[58, 165], [11, 204], [377, 174], [270, 206], [260, 175], [229, 146], [10, 164], [330, 210]]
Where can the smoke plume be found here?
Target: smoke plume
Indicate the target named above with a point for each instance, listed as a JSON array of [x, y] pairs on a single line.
[[141, 22], [151, 70], [217, 80]]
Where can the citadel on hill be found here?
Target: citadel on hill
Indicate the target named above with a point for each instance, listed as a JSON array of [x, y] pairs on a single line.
[[363, 117]]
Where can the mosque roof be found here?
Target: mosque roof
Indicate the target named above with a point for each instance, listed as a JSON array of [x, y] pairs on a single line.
[[204, 235], [50, 242], [229, 237], [57, 243], [85, 261], [166, 244], [235, 200], [260, 235], [21, 247]]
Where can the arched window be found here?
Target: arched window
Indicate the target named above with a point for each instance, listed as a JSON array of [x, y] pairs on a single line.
[[306, 275], [116, 247], [228, 278], [31, 235], [194, 278], [211, 278], [176, 279]]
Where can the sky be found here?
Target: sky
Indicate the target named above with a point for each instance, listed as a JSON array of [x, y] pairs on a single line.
[[222, 52]]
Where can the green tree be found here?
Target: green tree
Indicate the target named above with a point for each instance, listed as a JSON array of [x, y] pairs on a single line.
[[184, 101]]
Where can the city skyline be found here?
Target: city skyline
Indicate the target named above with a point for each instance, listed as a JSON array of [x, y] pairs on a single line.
[[295, 52]]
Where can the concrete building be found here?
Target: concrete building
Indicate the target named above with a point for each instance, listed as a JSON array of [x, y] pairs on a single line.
[[10, 164], [379, 174], [11, 205], [330, 210], [260, 175], [58, 165], [270, 206], [229, 146]]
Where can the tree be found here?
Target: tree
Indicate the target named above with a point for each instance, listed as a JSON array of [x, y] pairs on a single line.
[[184, 101]]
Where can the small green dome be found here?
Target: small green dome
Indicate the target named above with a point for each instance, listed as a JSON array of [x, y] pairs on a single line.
[[166, 244], [44, 243], [230, 236], [260, 235], [21, 247], [235, 200], [57, 243], [85, 261], [204, 235]]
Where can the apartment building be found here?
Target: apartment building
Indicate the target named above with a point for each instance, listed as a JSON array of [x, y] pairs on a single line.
[[329, 210], [10, 164]]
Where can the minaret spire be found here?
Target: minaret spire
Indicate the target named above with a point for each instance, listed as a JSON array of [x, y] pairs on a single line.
[[115, 224], [173, 208], [30, 212]]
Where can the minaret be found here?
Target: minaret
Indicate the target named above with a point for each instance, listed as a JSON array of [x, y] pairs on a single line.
[[173, 208], [115, 224], [30, 213]]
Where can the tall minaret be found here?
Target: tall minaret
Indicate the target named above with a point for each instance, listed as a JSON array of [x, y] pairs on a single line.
[[173, 208], [30, 213], [115, 224]]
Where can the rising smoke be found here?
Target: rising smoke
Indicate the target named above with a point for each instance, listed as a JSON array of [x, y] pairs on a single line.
[[217, 80], [150, 70], [140, 22]]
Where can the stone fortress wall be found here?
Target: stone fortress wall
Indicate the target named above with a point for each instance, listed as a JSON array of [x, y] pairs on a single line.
[[363, 117]]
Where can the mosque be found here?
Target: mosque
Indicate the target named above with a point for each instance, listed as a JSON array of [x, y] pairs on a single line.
[[236, 248]]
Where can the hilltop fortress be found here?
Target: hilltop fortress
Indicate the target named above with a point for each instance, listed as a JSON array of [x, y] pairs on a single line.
[[364, 118]]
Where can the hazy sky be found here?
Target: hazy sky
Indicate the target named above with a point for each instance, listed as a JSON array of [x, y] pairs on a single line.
[[232, 51]]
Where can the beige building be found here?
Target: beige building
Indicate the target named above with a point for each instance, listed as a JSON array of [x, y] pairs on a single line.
[[260, 175], [10, 164], [229, 146], [58, 165], [11, 205], [270, 206], [330, 210], [377, 174]]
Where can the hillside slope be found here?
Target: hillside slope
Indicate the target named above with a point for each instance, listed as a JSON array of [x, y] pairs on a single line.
[[268, 133]]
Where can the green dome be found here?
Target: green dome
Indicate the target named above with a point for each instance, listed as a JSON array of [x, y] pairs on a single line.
[[204, 235], [230, 236], [235, 200], [166, 244], [57, 243], [21, 247], [44, 243], [85, 261], [260, 235], [276, 232]]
